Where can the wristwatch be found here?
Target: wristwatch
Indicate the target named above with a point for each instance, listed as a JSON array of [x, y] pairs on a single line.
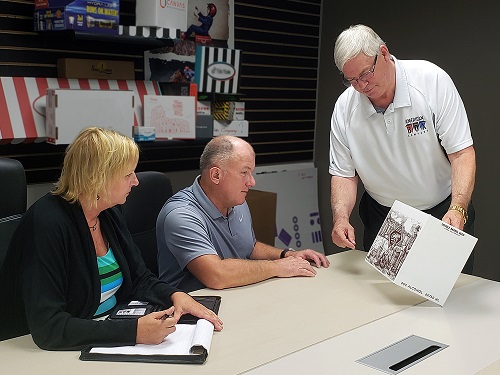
[[461, 210], [283, 253]]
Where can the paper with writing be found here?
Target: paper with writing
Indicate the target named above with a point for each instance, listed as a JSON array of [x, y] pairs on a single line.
[[419, 252], [180, 342]]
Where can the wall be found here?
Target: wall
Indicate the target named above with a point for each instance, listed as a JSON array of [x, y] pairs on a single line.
[[279, 41], [461, 37]]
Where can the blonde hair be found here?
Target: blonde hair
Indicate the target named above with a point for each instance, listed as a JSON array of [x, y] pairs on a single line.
[[95, 158]]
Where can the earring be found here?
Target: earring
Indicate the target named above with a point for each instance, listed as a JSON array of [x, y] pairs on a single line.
[[98, 197]]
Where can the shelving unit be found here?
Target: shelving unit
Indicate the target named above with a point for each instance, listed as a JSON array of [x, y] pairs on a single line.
[[279, 79], [145, 42]]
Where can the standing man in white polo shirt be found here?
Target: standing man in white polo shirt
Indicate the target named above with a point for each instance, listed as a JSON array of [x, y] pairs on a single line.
[[401, 128]]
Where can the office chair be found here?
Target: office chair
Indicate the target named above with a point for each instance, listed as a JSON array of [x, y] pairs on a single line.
[[141, 210], [13, 203], [13, 200]]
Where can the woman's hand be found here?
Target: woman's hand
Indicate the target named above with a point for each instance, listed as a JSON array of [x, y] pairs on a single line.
[[185, 304], [154, 327]]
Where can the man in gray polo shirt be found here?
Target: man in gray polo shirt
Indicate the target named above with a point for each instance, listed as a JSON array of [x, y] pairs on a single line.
[[204, 232]]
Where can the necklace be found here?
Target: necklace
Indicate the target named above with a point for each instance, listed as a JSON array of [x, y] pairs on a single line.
[[94, 227]]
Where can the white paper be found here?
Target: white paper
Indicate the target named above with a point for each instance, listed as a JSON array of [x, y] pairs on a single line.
[[419, 252], [180, 342], [171, 116]]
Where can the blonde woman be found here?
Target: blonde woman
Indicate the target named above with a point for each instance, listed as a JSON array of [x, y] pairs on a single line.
[[77, 261]]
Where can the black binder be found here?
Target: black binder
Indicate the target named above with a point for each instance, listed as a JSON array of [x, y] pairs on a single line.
[[198, 354], [210, 302]]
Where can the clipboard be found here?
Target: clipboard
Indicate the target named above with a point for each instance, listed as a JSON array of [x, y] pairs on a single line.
[[175, 349], [195, 359], [189, 344], [210, 302], [137, 309]]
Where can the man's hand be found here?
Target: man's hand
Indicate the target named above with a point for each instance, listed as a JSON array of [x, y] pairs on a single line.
[[318, 259], [343, 235], [454, 218], [294, 266]]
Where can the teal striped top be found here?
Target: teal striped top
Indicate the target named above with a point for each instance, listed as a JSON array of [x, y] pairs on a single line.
[[111, 279]]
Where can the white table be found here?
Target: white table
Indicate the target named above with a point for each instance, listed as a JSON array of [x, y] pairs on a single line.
[[469, 323], [262, 322]]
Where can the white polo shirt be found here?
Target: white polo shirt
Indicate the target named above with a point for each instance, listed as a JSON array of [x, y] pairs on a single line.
[[398, 154]]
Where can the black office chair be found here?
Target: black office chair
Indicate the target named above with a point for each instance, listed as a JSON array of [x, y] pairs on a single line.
[[141, 210], [13, 201]]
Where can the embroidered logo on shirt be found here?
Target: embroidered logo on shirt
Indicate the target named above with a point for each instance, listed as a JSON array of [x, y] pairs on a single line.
[[415, 126], [241, 218]]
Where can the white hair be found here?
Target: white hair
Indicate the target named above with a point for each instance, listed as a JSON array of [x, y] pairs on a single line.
[[353, 41]]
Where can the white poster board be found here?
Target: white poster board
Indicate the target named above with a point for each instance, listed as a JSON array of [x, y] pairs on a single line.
[[419, 252], [171, 116], [298, 222]]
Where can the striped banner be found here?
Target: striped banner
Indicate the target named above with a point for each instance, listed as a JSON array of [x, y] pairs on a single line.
[[217, 69], [149, 32], [22, 103]]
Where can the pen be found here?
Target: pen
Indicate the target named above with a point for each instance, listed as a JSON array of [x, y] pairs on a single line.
[[166, 316]]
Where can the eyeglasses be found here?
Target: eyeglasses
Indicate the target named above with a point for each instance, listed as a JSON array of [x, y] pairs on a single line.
[[363, 77]]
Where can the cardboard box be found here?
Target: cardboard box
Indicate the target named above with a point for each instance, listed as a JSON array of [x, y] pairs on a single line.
[[144, 133], [238, 128], [239, 111], [148, 32], [23, 117], [203, 108], [223, 111], [204, 126], [97, 69], [171, 116], [228, 111], [217, 69], [262, 206], [298, 223], [178, 88], [158, 13], [92, 16], [70, 111]]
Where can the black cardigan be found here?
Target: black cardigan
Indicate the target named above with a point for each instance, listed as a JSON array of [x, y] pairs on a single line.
[[50, 273]]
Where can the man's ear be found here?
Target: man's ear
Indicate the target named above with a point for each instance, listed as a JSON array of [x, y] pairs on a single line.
[[384, 51], [215, 175]]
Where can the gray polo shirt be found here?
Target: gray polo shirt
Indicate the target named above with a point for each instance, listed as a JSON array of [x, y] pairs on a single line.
[[189, 225]]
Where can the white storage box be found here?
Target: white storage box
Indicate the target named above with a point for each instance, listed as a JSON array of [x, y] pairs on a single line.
[[166, 14], [239, 111], [203, 108], [70, 111], [238, 128], [217, 70]]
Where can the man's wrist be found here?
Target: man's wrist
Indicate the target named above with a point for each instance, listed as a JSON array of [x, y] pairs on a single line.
[[285, 251], [460, 209]]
